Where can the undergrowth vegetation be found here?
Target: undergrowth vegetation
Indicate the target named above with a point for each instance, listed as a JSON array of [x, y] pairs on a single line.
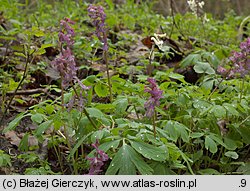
[[119, 89]]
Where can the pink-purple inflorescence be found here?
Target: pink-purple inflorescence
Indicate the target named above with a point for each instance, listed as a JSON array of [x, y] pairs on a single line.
[[65, 62], [97, 161], [240, 61], [98, 16], [154, 100]]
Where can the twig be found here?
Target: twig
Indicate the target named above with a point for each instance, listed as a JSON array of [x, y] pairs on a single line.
[[25, 92]]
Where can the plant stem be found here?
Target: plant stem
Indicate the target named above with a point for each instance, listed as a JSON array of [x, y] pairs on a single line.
[[154, 127], [105, 58], [85, 111], [242, 89]]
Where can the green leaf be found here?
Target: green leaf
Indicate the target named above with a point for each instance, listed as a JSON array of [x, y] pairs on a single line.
[[177, 77], [101, 89], [121, 105], [245, 133], [196, 135], [127, 162], [176, 130], [231, 109], [210, 145], [15, 122], [78, 144], [219, 111], [217, 139], [230, 143], [4, 159], [203, 67], [232, 154], [47, 45], [208, 171], [150, 151], [110, 4], [37, 117], [245, 168], [161, 168], [111, 144], [190, 60], [20, 54], [40, 51], [24, 143], [93, 112], [42, 127]]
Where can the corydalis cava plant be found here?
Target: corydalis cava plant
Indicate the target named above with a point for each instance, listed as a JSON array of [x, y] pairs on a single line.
[[65, 62], [97, 161], [240, 61], [153, 101], [98, 17]]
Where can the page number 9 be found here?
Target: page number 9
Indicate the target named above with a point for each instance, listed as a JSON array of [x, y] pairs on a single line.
[[243, 183]]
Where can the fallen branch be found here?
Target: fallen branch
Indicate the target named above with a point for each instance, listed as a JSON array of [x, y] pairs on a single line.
[[25, 92]]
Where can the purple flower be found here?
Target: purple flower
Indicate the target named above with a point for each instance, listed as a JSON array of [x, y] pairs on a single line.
[[153, 101], [97, 162], [65, 62], [66, 66], [240, 62], [67, 32], [98, 16]]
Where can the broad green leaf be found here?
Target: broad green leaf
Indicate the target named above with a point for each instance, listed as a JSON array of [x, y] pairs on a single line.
[[110, 144], [105, 107], [110, 4], [232, 154], [40, 51], [24, 143], [219, 111], [101, 89], [93, 112], [176, 130], [210, 145], [20, 54], [161, 168], [78, 144], [190, 60], [50, 109], [245, 168], [188, 161], [230, 143], [15, 122], [208, 171], [46, 45], [196, 135], [183, 131], [4, 159], [177, 77], [7, 38], [96, 113], [37, 117], [42, 127], [150, 151], [120, 105], [99, 134], [203, 67], [231, 109], [127, 162], [217, 139], [245, 133]]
